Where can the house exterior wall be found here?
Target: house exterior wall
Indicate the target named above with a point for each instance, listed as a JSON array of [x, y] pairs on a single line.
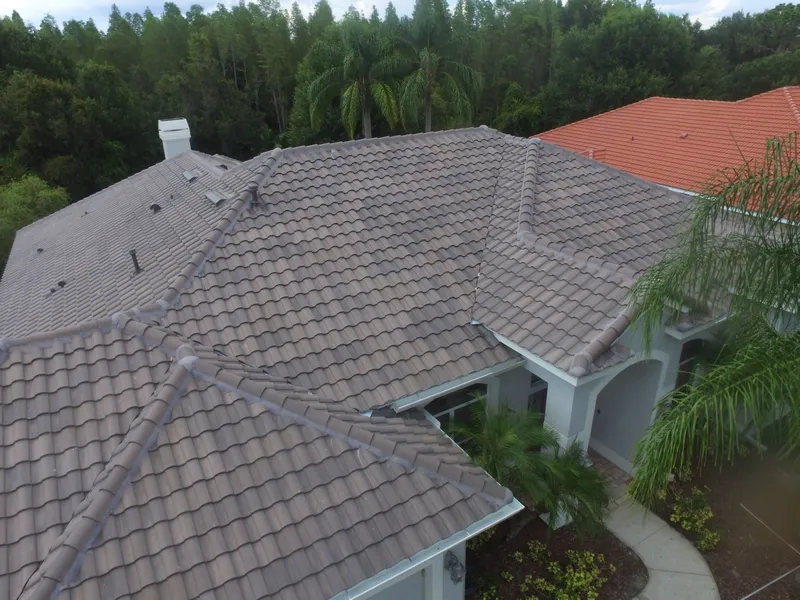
[[454, 590], [429, 583], [623, 412], [510, 389], [412, 586]]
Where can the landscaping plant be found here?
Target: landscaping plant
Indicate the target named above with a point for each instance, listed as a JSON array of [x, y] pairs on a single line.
[[522, 453], [691, 512], [738, 257]]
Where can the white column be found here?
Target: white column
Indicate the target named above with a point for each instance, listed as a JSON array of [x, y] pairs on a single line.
[[567, 411], [433, 577], [493, 393]]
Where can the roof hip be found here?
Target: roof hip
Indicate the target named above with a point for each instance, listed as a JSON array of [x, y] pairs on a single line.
[[63, 561]]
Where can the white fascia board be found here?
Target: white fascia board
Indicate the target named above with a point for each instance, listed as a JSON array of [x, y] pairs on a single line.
[[388, 577], [677, 190], [574, 381], [679, 335], [536, 360], [426, 396], [728, 208]]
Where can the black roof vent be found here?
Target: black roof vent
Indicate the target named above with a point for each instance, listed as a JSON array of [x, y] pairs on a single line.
[[39, 250], [62, 283], [136, 268], [155, 208]]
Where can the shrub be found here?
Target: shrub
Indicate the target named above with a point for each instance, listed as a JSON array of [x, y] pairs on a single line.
[[691, 513], [523, 454], [478, 541], [582, 579], [537, 551], [707, 541]]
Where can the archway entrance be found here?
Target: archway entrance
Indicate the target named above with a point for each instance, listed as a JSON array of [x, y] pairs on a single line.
[[623, 412]]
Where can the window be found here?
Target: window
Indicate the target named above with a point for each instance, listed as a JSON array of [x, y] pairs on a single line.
[[537, 397], [690, 353], [456, 407]]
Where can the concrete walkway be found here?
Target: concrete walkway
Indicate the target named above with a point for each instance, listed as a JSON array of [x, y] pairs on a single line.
[[677, 570]]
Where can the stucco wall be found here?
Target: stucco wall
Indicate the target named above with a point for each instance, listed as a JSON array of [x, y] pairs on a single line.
[[624, 408], [514, 388], [411, 587], [454, 591]]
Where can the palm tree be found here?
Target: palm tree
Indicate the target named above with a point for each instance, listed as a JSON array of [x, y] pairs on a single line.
[[740, 256], [523, 454], [435, 80], [361, 80]]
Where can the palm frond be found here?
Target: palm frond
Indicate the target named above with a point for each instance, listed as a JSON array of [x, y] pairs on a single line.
[[383, 95], [412, 92], [756, 384], [739, 249], [351, 108], [390, 66], [470, 79], [522, 453], [459, 101], [321, 92]]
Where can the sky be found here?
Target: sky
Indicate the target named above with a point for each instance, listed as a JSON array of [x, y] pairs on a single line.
[[706, 11]]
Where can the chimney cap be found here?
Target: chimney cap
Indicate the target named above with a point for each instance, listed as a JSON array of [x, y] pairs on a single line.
[[173, 129]]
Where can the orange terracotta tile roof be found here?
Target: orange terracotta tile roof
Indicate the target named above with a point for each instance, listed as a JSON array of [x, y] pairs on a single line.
[[679, 142]]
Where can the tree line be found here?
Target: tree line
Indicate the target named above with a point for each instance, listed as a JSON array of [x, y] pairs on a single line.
[[78, 107]]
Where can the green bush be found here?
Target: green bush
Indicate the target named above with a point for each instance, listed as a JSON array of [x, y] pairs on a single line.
[[691, 513], [582, 579], [477, 542]]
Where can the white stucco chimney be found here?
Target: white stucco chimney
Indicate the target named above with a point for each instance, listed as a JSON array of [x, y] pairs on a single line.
[[175, 136]]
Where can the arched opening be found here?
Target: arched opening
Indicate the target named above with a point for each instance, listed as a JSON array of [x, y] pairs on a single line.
[[623, 411]]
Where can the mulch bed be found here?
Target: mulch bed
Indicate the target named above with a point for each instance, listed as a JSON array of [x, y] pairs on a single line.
[[749, 556], [496, 556]]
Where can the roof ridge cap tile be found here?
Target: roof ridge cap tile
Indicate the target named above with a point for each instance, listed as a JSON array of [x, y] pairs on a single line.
[[46, 339], [291, 405], [608, 112], [790, 99], [65, 556], [224, 226], [528, 191], [602, 342], [389, 138], [604, 268]]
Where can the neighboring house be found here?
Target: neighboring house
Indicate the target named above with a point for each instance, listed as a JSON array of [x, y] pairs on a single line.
[[681, 143], [223, 380]]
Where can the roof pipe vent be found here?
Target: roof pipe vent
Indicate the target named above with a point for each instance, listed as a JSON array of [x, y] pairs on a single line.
[[136, 268], [175, 136]]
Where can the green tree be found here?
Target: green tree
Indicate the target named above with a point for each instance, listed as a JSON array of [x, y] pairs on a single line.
[[633, 53], [361, 79], [761, 75], [520, 113], [739, 256], [523, 454], [22, 202], [450, 84]]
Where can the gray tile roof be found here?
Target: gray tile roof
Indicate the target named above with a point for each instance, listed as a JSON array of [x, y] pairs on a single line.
[[87, 244], [134, 441], [568, 236], [136, 464], [355, 277]]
